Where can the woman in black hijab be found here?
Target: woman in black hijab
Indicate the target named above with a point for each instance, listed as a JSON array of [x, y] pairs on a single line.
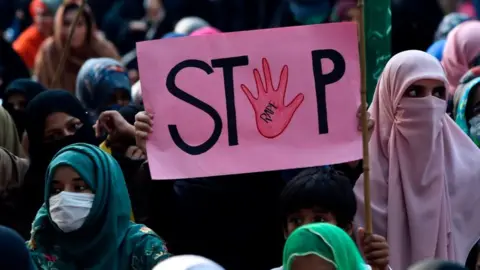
[[16, 98], [54, 119]]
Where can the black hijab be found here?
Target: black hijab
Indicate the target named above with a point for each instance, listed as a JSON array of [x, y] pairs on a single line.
[[29, 89], [40, 108], [14, 253], [41, 153]]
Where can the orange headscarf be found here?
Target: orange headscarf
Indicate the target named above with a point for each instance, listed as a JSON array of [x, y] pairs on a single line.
[[30, 40], [48, 59]]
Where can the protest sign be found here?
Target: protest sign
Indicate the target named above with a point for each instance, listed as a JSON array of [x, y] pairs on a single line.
[[252, 101]]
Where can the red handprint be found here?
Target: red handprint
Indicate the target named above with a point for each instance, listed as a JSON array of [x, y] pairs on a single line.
[[271, 114]]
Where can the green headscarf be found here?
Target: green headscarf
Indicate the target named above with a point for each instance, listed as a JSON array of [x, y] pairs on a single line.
[[107, 239], [326, 241]]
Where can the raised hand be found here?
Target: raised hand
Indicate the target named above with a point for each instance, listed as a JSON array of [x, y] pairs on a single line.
[[271, 114], [114, 124]]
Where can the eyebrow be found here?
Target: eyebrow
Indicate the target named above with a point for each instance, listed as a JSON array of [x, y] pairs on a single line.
[[418, 86], [78, 179]]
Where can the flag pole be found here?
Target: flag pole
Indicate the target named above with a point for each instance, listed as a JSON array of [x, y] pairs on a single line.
[[364, 120]]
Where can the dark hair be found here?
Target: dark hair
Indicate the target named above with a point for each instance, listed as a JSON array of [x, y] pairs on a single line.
[[471, 263], [320, 187]]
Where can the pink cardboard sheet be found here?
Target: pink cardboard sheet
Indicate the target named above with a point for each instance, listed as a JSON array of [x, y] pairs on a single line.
[[252, 101]]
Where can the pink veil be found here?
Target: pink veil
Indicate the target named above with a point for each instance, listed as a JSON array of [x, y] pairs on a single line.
[[461, 48], [424, 189]]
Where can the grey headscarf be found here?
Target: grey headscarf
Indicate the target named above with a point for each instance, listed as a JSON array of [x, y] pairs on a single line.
[[189, 24], [449, 22], [188, 262]]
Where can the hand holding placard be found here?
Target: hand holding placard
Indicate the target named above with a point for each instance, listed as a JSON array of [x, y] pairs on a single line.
[[271, 114], [205, 98]]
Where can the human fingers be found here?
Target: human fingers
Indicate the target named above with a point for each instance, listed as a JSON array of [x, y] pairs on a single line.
[[137, 153], [144, 117], [372, 246], [142, 127]]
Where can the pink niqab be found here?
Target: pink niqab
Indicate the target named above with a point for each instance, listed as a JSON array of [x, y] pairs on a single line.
[[461, 48], [425, 175]]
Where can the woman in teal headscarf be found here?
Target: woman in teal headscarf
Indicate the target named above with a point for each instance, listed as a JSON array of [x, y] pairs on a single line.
[[466, 104], [85, 220], [321, 246]]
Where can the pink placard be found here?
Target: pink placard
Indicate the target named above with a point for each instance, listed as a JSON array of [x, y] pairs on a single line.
[[252, 101]]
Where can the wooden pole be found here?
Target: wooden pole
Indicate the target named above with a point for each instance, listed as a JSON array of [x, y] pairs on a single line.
[[364, 107], [68, 42]]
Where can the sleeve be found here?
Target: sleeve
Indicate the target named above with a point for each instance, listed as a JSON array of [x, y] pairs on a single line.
[[26, 52], [149, 251]]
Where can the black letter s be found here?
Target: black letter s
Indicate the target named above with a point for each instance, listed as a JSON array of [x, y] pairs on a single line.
[[180, 94]]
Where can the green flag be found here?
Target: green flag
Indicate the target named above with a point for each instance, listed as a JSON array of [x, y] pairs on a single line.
[[378, 26]]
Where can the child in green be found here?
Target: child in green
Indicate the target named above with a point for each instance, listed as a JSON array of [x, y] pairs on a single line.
[[324, 195]]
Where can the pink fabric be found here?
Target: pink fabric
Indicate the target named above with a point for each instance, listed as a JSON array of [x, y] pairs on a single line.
[[425, 177], [207, 30], [462, 46]]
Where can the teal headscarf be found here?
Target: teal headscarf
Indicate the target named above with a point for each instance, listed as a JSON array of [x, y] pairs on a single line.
[[461, 106], [326, 241], [107, 239]]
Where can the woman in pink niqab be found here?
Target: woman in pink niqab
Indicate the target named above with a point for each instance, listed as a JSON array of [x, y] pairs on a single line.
[[424, 173], [462, 47]]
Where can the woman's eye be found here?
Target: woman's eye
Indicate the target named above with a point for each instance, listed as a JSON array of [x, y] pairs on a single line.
[[439, 92], [476, 110], [296, 221], [320, 219], [76, 126], [80, 188], [412, 93]]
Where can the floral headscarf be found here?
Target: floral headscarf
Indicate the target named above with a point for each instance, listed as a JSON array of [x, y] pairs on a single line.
[[468, 82], [97, 82]]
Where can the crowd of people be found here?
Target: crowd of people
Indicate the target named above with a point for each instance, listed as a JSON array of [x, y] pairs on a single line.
[[75, 186]]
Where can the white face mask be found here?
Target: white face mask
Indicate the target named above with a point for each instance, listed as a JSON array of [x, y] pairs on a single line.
[[69, 210]]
